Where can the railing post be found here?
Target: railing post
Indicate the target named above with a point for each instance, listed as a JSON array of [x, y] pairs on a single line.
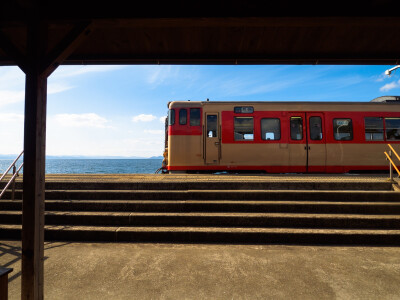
[[13, 184], [390, 166]]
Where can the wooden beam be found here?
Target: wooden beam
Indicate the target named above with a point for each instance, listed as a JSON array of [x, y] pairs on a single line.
[[34, 166], [231, 59], [67, 45], [248, 22], [9, 48]]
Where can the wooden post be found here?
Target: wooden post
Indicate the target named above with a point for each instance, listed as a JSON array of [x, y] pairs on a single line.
[[34, 166], [37, 67]]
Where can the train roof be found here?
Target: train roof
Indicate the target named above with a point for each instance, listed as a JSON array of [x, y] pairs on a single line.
[[378, 104], [378, 100]]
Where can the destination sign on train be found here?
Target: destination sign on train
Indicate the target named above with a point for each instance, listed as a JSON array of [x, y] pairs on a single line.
[[243, 109]]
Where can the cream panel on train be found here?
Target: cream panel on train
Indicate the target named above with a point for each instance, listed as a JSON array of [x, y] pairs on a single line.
[[254, 155], [356, 155], [185, 150]]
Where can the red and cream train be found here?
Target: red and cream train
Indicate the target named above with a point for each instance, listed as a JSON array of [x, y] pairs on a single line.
[[281, 137]]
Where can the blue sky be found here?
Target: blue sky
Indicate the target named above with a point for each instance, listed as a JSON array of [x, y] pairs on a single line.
[[118, 110]]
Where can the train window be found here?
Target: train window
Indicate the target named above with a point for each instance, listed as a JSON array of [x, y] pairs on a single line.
[[270, 129], [392, 126], [343, 129], [315, 128], [243, 127], [195, 117], [212, 126], [171, 117], [373, 128], [296, 128], [182, 116]]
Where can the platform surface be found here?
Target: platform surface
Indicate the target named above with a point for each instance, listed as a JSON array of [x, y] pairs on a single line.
[[218, 177], [176, 271], [198, 271]]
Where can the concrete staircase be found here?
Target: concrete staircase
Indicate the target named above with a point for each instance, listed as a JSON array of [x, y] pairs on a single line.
[[201, 211]]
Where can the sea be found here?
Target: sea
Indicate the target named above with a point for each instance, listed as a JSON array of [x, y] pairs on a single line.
[[95, 166]]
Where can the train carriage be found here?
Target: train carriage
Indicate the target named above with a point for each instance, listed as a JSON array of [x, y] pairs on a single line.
[[281, 137]]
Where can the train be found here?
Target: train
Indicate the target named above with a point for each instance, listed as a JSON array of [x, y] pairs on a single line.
[[280, 137]]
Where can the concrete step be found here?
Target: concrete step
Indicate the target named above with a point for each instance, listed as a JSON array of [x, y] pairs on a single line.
[[235, 235], [279, 209], [277, 220], [381, 185], [379, 208], [298, 195]]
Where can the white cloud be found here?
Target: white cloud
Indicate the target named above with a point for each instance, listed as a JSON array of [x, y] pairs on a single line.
[[11, 118], [71, 71], [9, 97], [151, 131], [11, 133], [159, 74], [162, 119], [390, 86], [381, 77], [12, 86], [57, 81], [143, 118], [82, 120], [12, 78], [57, 88]]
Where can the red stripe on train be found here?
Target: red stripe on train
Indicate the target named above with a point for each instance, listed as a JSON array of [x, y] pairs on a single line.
[[227, 119]]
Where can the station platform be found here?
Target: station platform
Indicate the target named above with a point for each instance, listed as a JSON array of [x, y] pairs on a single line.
[[234, 181], [145, 236], [201, 271], [218, 177]]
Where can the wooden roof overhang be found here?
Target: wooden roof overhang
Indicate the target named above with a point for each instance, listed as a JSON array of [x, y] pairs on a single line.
[[180, 32]]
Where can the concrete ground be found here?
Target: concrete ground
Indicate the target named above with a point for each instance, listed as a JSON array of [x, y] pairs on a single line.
[[176, 271]]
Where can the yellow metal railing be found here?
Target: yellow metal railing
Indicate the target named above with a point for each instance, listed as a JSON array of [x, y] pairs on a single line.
[[392, 164]]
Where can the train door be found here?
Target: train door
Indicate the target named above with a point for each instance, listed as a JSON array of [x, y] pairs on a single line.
[[297, 143], [316, 142], [307, 142], [212, 139]]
